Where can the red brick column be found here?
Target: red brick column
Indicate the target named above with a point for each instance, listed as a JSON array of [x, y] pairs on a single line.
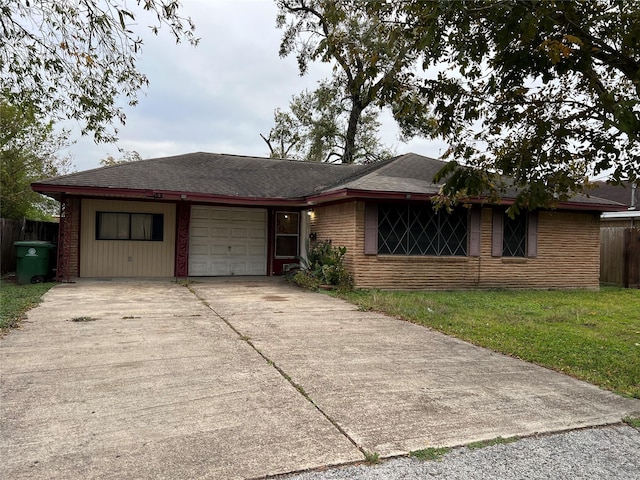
[[68, 239], [182, 239]]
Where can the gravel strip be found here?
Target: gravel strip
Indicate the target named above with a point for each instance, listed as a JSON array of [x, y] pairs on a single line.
[[598, 453]]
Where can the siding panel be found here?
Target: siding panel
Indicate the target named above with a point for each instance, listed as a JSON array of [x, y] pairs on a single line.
[[123, 258]]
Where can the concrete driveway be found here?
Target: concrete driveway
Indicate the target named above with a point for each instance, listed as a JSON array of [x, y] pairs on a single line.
[[246, 378]]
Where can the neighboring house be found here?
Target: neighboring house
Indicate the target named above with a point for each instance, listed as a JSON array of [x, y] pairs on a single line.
[[620, 236], [205, 214], [625, 193]]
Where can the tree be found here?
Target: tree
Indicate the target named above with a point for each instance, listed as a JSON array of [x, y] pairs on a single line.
[[126, 157], [534, 97], [370, 56], [28, 152], [314, 129], [546, 93], [77, 59]]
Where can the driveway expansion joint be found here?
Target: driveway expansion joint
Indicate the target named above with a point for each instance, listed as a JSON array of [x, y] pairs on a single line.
[[299, 388]]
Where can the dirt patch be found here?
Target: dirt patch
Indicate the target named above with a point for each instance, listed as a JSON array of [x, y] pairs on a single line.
[[275, 298]]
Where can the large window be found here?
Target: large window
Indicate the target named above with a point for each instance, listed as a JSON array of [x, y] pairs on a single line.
[[287, 234], [129, 226], [419, 230], [514, 240]]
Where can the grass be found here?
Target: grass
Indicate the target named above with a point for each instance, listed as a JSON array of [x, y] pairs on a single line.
[[430, 454], [489, 443], [594, 336], [17, 299], [632, 422], [372, 458]]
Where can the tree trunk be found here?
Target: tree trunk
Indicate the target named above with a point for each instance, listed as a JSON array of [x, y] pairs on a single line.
[[352, 129]]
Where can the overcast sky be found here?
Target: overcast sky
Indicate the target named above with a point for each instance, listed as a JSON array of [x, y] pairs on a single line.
[[219, 96]]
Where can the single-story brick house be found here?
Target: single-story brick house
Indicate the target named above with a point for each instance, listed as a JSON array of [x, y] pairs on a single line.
[[204, 214]]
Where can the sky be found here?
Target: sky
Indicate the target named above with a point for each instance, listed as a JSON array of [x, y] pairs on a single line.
[[219, 96]]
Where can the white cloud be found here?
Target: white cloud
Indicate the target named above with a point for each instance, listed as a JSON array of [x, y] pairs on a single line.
[[219, 96]]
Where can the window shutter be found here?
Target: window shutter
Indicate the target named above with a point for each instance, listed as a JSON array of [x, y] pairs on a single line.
[[496, 238], [371, 229], [532, 235], [474, 232]]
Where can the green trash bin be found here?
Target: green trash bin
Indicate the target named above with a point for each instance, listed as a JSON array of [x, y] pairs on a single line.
[[36, 261]]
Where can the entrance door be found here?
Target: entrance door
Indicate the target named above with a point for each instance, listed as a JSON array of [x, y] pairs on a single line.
[[227, 241]]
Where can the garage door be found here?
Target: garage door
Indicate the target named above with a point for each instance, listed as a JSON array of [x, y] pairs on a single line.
[[227, 241]]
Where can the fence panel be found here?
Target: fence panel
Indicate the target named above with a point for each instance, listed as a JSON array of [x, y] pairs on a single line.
[[17, 230], [632, 258], [612, 255]]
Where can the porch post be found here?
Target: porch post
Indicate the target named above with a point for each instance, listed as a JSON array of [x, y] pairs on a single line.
[[183, 214]]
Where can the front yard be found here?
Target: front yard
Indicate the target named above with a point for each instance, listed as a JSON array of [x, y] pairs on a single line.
[[594, 336], [15, 300]]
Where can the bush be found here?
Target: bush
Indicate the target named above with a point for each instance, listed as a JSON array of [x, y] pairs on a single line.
[[325, 266]]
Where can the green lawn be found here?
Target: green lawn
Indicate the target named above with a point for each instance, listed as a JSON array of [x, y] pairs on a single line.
[[17, 299], [594, 336]]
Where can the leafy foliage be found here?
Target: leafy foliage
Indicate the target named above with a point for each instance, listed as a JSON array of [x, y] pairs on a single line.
[[28, 152], [533, 97], [77, 59], [371, 60], [314, 129], [126, 157], [546, 93], [325, 266]]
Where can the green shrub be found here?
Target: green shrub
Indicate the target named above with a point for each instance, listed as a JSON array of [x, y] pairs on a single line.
[[325, 266]]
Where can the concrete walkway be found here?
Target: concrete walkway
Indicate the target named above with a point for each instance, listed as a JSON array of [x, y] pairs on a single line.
[[245, 378]]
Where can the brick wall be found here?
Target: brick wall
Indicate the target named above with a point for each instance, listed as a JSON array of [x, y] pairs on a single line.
[[338, 224], [568, 255]]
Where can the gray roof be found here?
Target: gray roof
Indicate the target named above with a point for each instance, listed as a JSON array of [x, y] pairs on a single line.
[[265, 178], [409, 173], [618, 193], [213, 174]]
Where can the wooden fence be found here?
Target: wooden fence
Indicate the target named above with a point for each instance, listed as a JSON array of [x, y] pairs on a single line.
[[620, 256], [16, 230]]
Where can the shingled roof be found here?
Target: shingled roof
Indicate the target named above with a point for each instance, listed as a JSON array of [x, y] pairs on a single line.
[[618, 193], [234, 178], [211, 174]]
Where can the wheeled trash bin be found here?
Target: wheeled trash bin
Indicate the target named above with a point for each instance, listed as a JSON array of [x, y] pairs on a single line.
[[36, 261]]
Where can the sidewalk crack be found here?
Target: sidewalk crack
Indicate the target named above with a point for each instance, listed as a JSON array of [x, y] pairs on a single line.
[[285, 375]]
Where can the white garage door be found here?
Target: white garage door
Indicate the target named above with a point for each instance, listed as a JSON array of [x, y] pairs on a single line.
[[227, 241]]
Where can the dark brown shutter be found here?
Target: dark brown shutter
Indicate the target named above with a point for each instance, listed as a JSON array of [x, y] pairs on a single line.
[[532, 235], [371, 229], [498, 229], [474, 232]]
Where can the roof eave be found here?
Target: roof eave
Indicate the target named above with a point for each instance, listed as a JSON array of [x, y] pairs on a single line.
[[56, 191], [346, 193]]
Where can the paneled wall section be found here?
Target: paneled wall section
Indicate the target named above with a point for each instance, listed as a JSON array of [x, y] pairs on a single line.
[[126, 258]]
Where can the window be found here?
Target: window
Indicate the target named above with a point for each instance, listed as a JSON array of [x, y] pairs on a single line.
[[287, 234], [419, 230], [514, 240], [516, 237], [129, 226]]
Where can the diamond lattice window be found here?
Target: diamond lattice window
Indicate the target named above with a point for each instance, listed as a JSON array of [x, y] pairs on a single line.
[[418, 230], [514, 240]]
